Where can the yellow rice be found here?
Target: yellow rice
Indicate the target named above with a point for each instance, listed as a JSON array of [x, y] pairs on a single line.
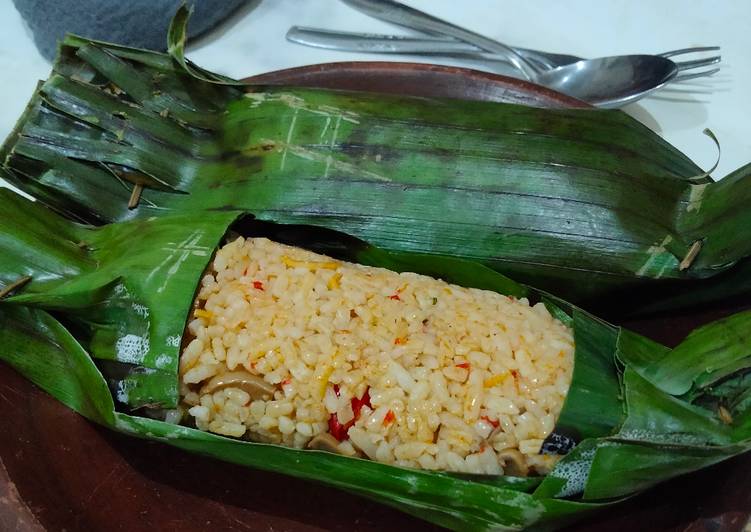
[[459, 379]]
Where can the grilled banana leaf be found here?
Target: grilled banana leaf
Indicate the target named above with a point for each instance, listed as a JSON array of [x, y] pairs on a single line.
[[104, 309], [589, 204], [113, 284]]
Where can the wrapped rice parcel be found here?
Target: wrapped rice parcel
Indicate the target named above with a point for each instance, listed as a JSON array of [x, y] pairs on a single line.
[[431, 384]]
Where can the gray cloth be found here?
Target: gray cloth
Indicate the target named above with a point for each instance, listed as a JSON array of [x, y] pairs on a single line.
[[137, 23]]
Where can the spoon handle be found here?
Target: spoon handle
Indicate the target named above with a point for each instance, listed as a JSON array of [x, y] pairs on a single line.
[[402, 15]]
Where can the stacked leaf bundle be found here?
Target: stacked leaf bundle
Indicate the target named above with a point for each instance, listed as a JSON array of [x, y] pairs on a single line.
[[588, 204], [99, 319]]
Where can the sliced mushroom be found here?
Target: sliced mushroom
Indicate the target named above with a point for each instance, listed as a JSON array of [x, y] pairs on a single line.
[[513, 463], [255, 386], [437, 433], [262, 437], [324, 442]]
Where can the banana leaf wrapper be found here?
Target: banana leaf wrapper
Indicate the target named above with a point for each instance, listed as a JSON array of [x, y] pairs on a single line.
[[636, 413], [589, 204]]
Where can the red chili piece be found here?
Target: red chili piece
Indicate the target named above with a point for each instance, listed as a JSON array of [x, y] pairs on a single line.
[[339, 431], [336, 429], [493, 422], [258, 285], [464, 365], [357, 404]]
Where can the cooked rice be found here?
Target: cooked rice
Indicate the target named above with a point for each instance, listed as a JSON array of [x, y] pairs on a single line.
[[458, 379]]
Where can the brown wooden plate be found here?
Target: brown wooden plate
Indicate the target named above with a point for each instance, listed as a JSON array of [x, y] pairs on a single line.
[[418, 79], [61, 472]]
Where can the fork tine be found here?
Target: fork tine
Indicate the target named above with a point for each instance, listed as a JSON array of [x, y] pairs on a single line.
[[685, 65], [694, 75], [695, 49]]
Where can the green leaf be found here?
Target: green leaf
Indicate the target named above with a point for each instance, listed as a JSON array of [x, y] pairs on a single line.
[[639, 352], [661, 418], [593, 406], [128, 286], [704, 352], [620, 468], [588, 204], [177, 35], [41, 349]]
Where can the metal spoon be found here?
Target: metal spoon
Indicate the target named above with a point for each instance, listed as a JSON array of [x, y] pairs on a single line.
[[611, 82]]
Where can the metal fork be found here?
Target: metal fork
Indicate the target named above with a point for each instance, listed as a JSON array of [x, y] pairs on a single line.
[[397, 44], [605, 81]]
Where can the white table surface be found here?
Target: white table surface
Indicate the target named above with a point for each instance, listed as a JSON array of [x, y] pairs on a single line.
[[253, 42]]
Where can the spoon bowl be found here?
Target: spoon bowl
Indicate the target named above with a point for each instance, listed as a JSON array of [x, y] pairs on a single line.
[[610, 82]]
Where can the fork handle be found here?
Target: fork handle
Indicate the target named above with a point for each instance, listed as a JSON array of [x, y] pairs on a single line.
[[402, 15], [401, 44], [371, 42]]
